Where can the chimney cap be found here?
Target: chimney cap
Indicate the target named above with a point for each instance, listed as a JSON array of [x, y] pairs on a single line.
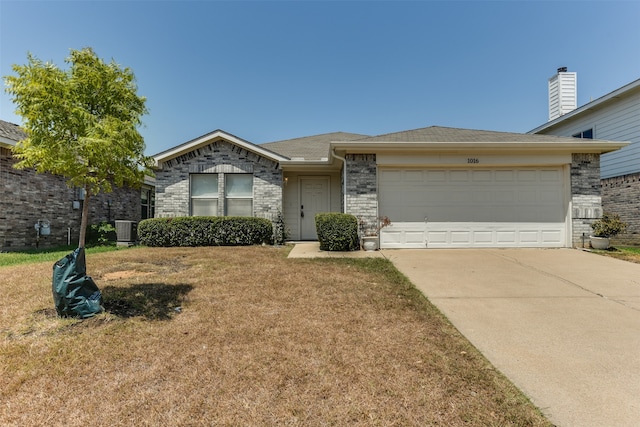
[[562, 70]]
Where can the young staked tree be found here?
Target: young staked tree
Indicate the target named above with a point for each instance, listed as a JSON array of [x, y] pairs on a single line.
[[81, 123]]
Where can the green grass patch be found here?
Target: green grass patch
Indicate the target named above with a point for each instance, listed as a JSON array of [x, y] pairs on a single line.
[[47, 255], [629, 249]]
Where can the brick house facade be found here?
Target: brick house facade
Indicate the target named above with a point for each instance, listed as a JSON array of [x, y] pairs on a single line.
[[28, 197], [621, 194], [222, 159], [550, 197]]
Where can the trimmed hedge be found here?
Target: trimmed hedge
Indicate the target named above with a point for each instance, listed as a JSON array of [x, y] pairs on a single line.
[[205, 231], [337, 232]]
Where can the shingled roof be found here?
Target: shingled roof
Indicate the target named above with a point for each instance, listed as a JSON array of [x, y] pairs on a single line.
[[446, 134], [11, 133], [314, 147]]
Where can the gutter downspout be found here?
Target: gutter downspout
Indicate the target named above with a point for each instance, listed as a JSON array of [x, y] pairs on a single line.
[[344, 179]]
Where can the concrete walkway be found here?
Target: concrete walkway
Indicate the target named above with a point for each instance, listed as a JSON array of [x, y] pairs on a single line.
[[312, 250], [562, 324]]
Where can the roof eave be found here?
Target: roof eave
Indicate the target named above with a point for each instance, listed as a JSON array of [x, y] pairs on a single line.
[[7, 142]]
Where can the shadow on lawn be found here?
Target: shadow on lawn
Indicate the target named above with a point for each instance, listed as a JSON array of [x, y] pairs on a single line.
[[154, 301]]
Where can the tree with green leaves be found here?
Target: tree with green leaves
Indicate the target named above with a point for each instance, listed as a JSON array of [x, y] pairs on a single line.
[[81, 123]]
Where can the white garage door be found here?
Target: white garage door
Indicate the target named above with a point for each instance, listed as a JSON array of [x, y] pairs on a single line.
[[443, 208]]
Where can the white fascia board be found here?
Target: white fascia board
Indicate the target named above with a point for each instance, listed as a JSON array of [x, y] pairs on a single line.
[[623, 91], [7, 142], [580, 146], [298, 162], [210, 137]]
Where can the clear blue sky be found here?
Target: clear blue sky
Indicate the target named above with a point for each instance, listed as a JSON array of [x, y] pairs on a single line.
[[270, 70]]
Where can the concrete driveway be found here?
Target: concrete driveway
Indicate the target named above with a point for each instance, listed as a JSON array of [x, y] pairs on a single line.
[[561, 324]]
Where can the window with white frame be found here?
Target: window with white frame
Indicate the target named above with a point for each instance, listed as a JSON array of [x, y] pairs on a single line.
[[204, 194], [238, 194]]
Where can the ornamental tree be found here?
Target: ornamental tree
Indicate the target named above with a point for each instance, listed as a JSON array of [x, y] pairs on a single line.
[[81, 123]]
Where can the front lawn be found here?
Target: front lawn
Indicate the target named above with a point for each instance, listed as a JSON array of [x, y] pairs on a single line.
[[242, 336], [626, 253]]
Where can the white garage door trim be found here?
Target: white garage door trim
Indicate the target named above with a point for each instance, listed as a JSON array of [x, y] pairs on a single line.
[[474, 207]]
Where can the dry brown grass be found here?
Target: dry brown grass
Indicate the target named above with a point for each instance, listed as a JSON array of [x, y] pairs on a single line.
[[242, 337]]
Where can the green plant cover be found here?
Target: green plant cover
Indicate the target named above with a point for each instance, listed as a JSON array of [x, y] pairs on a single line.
[[205, 231], [610, 225], [74, 293], [337, 231]]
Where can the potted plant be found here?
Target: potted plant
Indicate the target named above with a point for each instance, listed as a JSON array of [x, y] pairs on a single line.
[[610, 225], [370, 238]]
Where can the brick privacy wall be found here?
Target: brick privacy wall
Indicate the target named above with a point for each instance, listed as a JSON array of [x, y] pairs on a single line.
[[362, 189], [586, 200], [172, 182], [28, 197], [621, 195]]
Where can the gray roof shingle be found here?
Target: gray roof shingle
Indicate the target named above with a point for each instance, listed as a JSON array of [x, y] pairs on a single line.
[[313, 147], [11, 131], [446, 134]]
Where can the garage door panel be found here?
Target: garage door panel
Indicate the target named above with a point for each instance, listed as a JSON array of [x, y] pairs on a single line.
[[525, 176], [414, 176], [551, 196], [458, 176], [470, 234], [550, 175], [504, 175], [506, 207], [482, 175], [529, 236], [435, 176]]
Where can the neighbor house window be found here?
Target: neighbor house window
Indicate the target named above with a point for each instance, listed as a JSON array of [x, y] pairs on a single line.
[[238, 194], [586, 134], [148, 202], [204, 194]]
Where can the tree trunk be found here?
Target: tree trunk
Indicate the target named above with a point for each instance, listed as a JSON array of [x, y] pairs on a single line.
[[85, 218]]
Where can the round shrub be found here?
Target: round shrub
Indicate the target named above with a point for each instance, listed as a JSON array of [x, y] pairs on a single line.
[[337, 231]]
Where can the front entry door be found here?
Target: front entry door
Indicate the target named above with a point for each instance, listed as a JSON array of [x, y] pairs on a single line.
[[314, 198]]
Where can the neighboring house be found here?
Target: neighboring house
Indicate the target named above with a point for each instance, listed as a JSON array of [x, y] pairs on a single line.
[[616, 117], [28, 199], [441, 187]]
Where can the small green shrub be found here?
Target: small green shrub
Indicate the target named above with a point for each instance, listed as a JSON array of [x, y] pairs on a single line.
[[101, 234], [610, 225], [337, 231], [205, 231]]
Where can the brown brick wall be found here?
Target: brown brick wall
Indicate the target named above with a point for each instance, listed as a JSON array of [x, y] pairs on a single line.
[[27, 197], [621, 195]]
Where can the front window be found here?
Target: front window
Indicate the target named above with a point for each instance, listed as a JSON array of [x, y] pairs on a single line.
[[204, 194], [238, 194]]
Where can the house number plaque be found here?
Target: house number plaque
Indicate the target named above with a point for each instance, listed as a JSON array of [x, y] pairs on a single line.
[[473, 160]]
